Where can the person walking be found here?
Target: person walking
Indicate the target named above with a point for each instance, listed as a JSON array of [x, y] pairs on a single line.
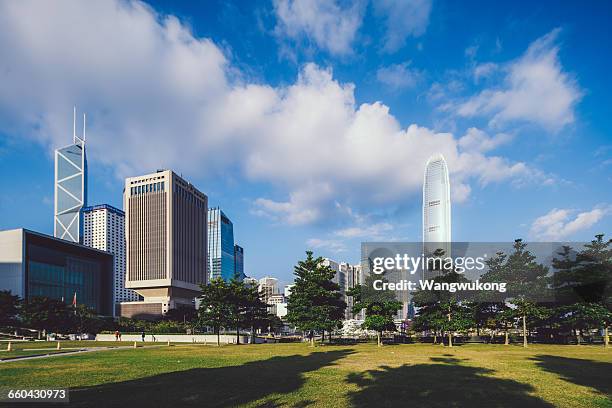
[[119, 335], [116, 335], [143, 336]]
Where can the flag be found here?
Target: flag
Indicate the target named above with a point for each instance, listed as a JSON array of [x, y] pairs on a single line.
[[74, 303]]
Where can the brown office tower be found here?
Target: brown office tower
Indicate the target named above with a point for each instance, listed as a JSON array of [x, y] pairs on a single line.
[[166, 248]]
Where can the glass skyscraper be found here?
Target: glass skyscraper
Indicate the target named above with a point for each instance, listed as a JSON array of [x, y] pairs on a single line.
[[221, 262], [436, 206], [70, 188], [239, 262]]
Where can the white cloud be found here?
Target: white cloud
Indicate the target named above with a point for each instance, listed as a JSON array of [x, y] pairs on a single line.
[[331, 25], [559, 224], [156, 96], [403, 18], [399, 76], [484, 70], [476, 139], [535, 89], [331, 245], [373, 231]]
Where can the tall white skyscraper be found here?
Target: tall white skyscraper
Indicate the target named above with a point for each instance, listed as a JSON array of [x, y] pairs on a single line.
[[70, 187], [104, 228], [436, 206]]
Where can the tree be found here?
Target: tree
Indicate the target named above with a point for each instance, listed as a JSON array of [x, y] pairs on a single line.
[[526, 284], [438, 303], [255, 311], [583, 285], [315, 303], [182, 314], [380, 307], [9, 307], [214, 308], [237, 303], [524, 310], [44, 313]]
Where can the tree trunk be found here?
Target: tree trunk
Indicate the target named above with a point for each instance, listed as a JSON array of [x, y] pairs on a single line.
[[524, 331], [378, 339], [253, 334], [450, 332], [237, 333], [577, 337], [606, 338], [218, 337], [435, 339], [506, 339]]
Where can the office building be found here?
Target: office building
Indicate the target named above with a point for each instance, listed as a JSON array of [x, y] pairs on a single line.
[[268, 287], [436, 206], [104, 228], [165, 228], [239, 262], [70, 188], [352, 275], [34, 264], [251, 282], [221, 249]]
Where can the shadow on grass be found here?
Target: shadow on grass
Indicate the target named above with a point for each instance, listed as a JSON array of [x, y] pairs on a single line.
[[212, 387], [446, 383], [589, 373]]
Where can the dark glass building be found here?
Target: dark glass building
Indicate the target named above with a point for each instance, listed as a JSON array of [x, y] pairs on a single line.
[[34, 264], [220, 246], [239, 262]]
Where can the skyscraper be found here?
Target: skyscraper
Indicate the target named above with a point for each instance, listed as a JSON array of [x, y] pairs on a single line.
[[239, 262], [166, 237], [70, 187], [220, 245], [436, 206], [104, 228]]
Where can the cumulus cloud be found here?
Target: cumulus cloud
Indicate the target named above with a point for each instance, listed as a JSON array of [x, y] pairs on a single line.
[[559, 224], [535, 89], [330, 25], [399, 76], [403, 18], [156, 96]]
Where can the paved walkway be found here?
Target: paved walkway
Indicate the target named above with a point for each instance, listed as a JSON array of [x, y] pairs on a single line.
[[81, 350]]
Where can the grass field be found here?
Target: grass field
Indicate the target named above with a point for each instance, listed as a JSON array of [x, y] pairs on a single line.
[[296, 375]]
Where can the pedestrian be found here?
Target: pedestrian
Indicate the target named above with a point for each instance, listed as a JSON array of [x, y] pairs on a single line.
[[143, 336], [119, 336], [116, 335]]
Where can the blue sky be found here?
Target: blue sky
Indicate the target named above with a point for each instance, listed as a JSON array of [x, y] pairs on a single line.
[[309, 122]]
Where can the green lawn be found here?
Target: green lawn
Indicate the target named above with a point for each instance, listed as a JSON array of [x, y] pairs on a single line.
[[295, 375]]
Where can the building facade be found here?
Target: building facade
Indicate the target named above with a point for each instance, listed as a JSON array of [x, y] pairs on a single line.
[[268, 287], [221, 263], [239, 262], [436, 206], [34, 264], [104, 228], [166, 241], [70, 188]]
